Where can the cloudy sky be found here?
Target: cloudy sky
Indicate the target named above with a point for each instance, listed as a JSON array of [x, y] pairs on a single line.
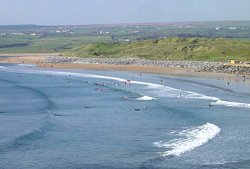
[[63, 12]]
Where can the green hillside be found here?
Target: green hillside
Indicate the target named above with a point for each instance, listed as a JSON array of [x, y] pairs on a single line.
[[169, 49], [45, 44]]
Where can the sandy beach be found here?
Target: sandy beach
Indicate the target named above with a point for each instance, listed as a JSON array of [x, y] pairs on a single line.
[[39, 60], [27, 58]]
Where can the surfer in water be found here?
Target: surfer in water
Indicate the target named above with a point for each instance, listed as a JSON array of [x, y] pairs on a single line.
[[244, 78]]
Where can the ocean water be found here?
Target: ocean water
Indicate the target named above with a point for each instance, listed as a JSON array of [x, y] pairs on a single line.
[[109, 119]]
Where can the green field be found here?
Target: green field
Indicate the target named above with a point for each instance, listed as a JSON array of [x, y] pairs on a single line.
[[35, 44]]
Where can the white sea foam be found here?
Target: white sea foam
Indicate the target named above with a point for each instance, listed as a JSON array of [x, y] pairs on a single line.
[[194, 95], [217, 101], [166, 91], [190, 139], [83, 75], [27, 65], [150, 85], [146, 98], [2, 67], [231, 104]]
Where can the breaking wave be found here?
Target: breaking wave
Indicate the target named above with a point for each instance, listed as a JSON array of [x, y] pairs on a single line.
[[190, 139], [27, 65], [2, 67], [166, 91], [146, 98], [231, 104]]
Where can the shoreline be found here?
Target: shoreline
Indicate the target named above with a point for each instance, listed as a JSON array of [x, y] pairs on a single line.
[[43, 60], [28, 58]]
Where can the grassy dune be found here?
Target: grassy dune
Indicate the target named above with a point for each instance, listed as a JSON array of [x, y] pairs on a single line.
[[169, 49]]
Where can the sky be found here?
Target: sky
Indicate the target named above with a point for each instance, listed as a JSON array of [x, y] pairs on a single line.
[[85, 12]]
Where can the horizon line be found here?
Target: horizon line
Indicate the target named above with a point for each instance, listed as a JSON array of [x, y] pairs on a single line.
[[125, 23]]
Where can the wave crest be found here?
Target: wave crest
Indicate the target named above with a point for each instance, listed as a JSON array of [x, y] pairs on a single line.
[[146, 98], [231, 104], [191, 139], [2, 67]]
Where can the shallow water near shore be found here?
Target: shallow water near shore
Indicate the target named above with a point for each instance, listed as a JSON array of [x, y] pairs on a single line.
[[111, 119]]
